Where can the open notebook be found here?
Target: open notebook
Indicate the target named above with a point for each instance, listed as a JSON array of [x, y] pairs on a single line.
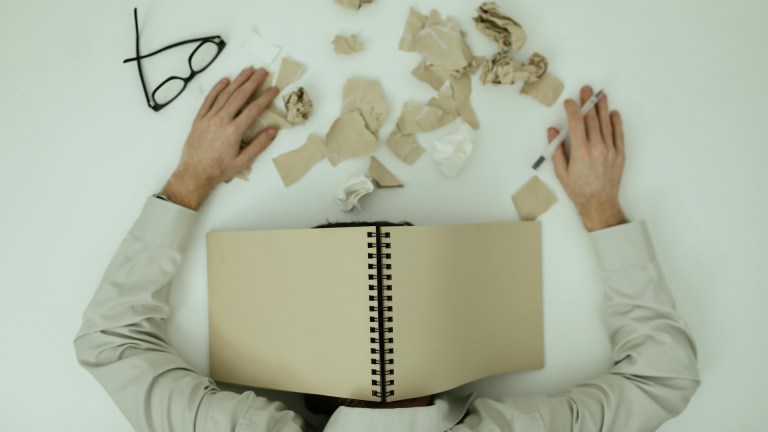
[[375, 313]]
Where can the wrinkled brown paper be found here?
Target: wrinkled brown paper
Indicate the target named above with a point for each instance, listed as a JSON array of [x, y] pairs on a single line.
[[383, 177], [500, 28], [533, 199], [405, 147], [347, 45], [367, 97], [293, 165], [299, 106], [290, 72], [440, 41], [353, 4], [349, 138], [503, 69]]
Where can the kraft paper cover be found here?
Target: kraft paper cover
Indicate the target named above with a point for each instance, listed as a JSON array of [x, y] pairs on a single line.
[[286, 314]]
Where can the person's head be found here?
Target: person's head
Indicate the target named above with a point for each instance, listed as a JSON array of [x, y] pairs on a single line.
[[326, 405]]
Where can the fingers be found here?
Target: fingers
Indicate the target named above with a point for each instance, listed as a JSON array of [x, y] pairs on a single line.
[[255, 109], [593, 125], [558, 158], [223, 98], [256, 147], [603, 114], [242, 94], [618, 132], [578, 134], [211, 98]]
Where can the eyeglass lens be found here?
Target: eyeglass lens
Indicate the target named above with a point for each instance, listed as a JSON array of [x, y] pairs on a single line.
[[203, 56], [200, 59]]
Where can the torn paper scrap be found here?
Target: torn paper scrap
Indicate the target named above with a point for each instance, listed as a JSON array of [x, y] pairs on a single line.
[[367, 97], [405, 147], [433, 75], [354, 189], [444, 45], [382, 177], [453, 151], [271, 117], [502, 69], [347, 45], [413, 24], [440, 41], [423, 118], [454, 99], [353, 4], [298, 106], [533, 199], [290, 72], [546, 90], [293, 165], [505, 31], [349, 138]]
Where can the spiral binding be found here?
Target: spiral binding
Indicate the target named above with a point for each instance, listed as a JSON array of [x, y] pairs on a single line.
[[382, 329]]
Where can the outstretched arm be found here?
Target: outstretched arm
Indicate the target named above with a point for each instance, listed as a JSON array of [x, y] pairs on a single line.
[[654, 373], [123, 341]]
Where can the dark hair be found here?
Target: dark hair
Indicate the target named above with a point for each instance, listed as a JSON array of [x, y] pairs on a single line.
[[326, 405], [362, 224]]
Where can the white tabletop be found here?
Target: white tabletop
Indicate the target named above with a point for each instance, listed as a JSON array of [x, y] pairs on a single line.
[[80, 151]]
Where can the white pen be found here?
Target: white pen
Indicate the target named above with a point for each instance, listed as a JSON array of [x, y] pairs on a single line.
[[550, 150]]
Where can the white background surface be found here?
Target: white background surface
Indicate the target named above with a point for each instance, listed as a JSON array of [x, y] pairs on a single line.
[[80, 152]]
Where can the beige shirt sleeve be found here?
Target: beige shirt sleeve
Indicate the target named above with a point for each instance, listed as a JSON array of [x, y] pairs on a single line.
[[655, 371], [124, 345]]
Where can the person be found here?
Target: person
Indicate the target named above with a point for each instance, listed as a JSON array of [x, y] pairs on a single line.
[[124, 345]]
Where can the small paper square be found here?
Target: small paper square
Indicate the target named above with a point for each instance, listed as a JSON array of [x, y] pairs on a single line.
[[533, 199]]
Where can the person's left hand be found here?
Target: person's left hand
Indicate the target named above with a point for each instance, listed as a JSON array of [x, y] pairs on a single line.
[[212, 153]]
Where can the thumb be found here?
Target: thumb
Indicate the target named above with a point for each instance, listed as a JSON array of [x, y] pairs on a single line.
[[256, 147]]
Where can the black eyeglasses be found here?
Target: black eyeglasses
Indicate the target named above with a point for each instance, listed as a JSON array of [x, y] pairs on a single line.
[[205, 53]]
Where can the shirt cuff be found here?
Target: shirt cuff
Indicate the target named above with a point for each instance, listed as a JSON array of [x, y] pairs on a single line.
[[165, 223], [622, 246]]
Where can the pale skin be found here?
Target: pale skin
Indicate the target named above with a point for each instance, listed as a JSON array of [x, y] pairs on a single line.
[[212, 153]]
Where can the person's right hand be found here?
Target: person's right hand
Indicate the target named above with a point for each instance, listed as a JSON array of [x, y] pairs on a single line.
[[592, 175]]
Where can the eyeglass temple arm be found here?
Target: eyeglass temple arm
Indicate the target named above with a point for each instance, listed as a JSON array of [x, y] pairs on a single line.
[[138, 56], [174, 46]]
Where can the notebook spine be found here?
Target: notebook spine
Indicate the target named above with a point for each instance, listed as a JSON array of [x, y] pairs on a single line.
[[381, 319]]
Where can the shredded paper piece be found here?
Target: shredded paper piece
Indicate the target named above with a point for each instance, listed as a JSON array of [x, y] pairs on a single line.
[[503, 69], [354, 189], [367, 97], [440, 41], [293, 165], [422, 118], [447, 65], [546, 90], [433, 75], [349, 138], [500, 28], [290, 72], [353, 4], [533, 199], [453, 151], [299, 106], [382, 177], [347, 45], [405, 147]]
